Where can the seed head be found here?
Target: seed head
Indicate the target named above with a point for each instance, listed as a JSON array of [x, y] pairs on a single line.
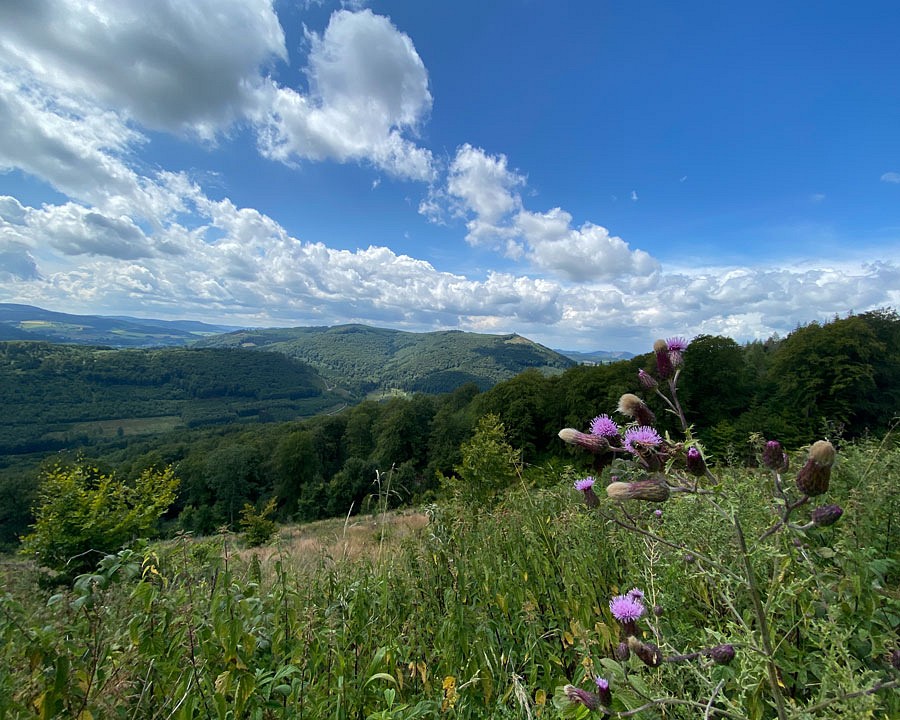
[[663, 363], [815, 475], [648, 653], [649, 490], [632, 406], [592, 443], [577, 696]]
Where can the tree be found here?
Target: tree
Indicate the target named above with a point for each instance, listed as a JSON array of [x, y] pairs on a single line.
[[83, 514], [489, 464]]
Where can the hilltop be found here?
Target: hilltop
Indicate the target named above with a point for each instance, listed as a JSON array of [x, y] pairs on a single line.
[[364, 358]]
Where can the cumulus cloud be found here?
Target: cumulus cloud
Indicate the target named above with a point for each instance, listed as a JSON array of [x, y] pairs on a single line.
[[367, 88], [891, 177], [170, 65], [482, 188]]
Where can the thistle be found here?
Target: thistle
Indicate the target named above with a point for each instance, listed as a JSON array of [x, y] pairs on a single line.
[[663, 363], [722, 654], [632, 406], [578, 696], [774, 457], [826, 515], [596, 444], [586, 486], [814, 476], [694, 461], [648, 653], [650, 490]]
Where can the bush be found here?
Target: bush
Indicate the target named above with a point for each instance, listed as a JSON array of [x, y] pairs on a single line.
[[83, 514], [258, 526]]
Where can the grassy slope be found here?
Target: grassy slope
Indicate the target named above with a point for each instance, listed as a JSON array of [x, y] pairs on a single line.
[[481, 614]]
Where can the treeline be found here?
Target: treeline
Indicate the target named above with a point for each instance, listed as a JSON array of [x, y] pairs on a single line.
[[839, 379], [50, 394]]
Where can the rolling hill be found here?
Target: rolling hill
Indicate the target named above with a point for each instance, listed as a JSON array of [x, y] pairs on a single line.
[[363, 358]]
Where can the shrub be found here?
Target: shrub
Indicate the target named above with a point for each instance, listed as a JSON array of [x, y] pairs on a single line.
[[83, 514]]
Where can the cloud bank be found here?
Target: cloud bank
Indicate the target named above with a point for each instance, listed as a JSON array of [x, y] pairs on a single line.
[[83, 87]]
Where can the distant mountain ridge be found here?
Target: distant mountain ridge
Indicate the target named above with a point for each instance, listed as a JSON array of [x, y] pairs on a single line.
[[26, 322], [596, 357]]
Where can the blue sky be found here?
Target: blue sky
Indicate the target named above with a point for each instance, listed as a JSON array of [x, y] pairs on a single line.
[[587, 174]]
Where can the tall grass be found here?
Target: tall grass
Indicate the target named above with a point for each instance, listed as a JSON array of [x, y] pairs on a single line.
[[473, 614]]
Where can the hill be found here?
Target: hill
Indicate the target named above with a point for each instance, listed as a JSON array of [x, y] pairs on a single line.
[[596, 357], [26, 322], [364, 358], [56, 396]]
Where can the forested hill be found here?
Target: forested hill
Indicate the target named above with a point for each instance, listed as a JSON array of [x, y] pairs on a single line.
[[54, 396], [26, 322], [369, 358]]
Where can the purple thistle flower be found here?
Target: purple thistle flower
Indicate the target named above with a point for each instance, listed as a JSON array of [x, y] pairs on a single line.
[[603, 690], [676, 346], [642, 434], [604, 426], [585, 483], [694, 461], [626, 609], [635, 594]]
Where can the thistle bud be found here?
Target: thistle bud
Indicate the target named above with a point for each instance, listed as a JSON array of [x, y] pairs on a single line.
[[774, 457], [648, 653], [632, 406], [826, 515], [722, 654], [658, 610], [578, 696], [649, 490], [590, 442], [694, 461], [622, 652], [603, 691], [663, 363], [646, 380], [813, 478]]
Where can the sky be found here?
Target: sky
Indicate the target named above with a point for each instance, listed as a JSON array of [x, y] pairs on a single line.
[[591, 174]]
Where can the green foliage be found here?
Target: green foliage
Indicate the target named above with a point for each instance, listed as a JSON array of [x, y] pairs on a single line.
[[362, 358], [489, 465], [257, 526], [83, 513]]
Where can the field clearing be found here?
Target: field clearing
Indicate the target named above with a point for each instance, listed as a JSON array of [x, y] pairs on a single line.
[[111, 428]]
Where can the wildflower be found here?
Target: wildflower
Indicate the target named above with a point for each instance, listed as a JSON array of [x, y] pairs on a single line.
[[722, 654], [814, 476], [646, 379], [578, 696], [826, 515], [622, 652], [596, 444], [635, 594], [695, 463], [642, 434], [651, 490], [663, 363], [626, 609], [603, 690], [648, 653], [604, 426], [632, 406], [676, 346], [586, 486], [658, 513], [774, 457]]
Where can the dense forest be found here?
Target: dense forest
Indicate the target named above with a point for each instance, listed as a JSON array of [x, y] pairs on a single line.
[[839, 379]]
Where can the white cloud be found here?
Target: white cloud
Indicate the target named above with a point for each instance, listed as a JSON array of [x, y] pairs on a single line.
[[634, 195], [482, 188], [891, 177], [170, 65], [368, 86]]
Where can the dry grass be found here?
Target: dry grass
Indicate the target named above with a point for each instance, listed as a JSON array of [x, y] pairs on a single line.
[[363, 537]]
